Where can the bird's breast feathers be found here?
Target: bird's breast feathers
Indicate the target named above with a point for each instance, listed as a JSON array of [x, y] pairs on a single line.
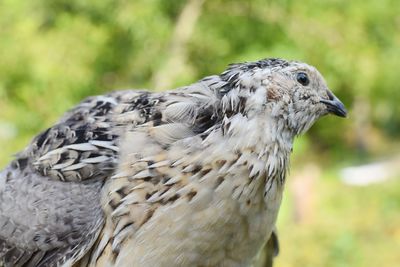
[[206, 197]]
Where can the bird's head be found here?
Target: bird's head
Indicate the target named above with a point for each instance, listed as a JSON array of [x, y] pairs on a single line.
[[293, 92]]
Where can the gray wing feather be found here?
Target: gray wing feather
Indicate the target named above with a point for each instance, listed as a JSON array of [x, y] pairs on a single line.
[[50, 213], [44, 221], [50, 209]]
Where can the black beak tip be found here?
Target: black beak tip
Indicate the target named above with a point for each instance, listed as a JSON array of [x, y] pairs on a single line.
[[340, 110], [342, 114]]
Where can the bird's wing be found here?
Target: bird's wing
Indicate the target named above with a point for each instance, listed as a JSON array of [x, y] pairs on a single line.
[[151, 169], [45, 222], [50, 211]]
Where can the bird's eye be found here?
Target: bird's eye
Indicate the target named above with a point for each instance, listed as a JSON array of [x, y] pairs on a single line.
[[302, 78]]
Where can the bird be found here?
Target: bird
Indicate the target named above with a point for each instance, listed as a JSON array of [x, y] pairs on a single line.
[[186, 177]]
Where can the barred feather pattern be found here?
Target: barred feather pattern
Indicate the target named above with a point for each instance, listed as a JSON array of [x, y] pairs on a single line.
[[189, 177], [235, 183]]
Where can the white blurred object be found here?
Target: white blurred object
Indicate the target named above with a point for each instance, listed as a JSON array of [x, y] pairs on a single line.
[[7, 130], [371, 173]]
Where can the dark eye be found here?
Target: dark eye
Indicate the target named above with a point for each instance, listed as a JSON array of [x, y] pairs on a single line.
[[302, 78]]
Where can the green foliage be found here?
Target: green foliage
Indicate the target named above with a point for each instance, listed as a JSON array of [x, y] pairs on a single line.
[[53, 53], [347, 227]]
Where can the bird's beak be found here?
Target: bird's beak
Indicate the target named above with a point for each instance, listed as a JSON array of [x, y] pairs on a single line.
[[334, 105]]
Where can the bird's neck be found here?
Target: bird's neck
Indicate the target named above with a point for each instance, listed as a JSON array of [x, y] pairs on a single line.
[[266, 134], [268, 139]]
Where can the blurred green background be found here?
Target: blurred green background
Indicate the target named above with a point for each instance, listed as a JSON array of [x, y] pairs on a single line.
[[53, 53]]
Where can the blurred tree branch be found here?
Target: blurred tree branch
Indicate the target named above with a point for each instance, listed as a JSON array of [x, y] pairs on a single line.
[[176, 56]]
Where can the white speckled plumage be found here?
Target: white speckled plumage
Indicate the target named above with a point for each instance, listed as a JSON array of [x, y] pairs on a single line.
[[190, 177]]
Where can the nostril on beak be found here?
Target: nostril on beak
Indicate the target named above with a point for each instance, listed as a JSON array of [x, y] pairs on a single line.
[[330, 95]]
